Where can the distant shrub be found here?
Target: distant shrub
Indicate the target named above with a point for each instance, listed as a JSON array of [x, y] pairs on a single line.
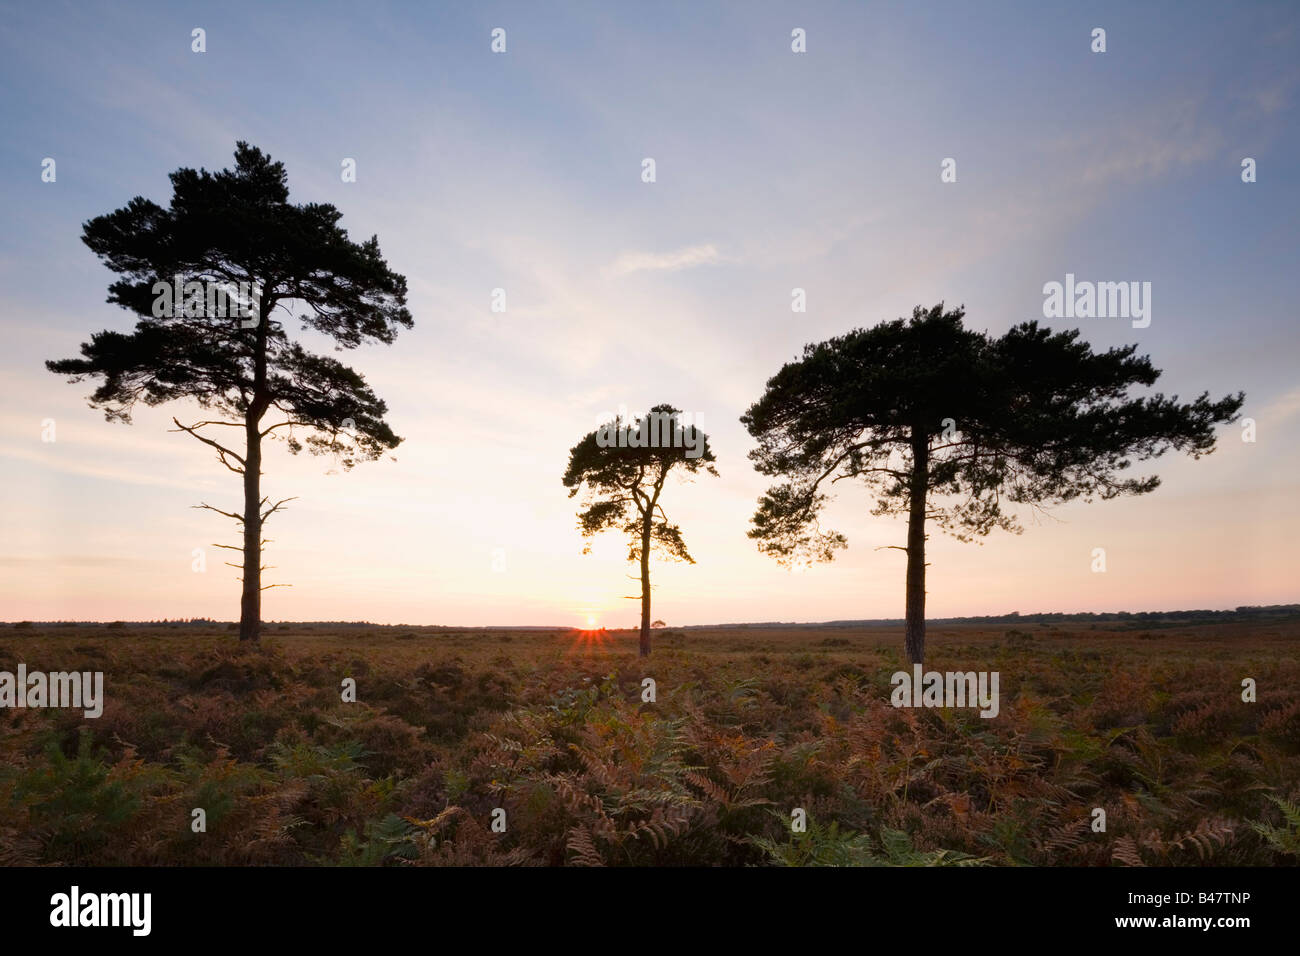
[[240, 671], [1283, 726]]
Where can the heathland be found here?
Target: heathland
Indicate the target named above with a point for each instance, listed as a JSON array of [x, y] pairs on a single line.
[[540, 747]]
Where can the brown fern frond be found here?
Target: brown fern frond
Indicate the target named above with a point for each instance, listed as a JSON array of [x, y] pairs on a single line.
[[1067, 837], [1126, 852], [714, 791], [583, 846], [1209, 836]]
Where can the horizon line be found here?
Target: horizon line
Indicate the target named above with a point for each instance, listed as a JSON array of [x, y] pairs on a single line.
[[1242, 609]]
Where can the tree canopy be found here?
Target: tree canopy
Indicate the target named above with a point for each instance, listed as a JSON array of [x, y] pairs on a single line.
[[235, 233], [623, 467], [957, 427]]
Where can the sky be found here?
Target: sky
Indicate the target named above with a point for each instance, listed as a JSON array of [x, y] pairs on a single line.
[[774, 170]]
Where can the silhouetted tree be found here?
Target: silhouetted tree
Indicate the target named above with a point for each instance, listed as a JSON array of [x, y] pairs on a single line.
[[231, 242], [926, 408], [623, 467]]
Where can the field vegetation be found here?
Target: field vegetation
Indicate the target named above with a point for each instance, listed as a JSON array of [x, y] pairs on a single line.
[[748, 724]]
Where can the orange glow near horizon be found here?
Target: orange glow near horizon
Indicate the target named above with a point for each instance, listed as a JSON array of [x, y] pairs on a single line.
[[587, 640]]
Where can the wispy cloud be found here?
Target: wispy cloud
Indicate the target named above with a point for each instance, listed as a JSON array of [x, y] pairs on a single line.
[[1282, 408], [124, 475], [71, 561], [685, 258], [1149, 146]]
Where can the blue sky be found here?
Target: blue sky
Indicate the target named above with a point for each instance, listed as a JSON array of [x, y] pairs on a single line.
[[775, 170]]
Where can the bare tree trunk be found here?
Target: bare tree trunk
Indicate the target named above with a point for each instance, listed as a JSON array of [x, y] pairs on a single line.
[[645, 587], [250, 603], [914, 629]]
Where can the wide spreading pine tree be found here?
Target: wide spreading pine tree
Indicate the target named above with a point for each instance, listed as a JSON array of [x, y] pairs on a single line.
[[947, 425], [236, 250]]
